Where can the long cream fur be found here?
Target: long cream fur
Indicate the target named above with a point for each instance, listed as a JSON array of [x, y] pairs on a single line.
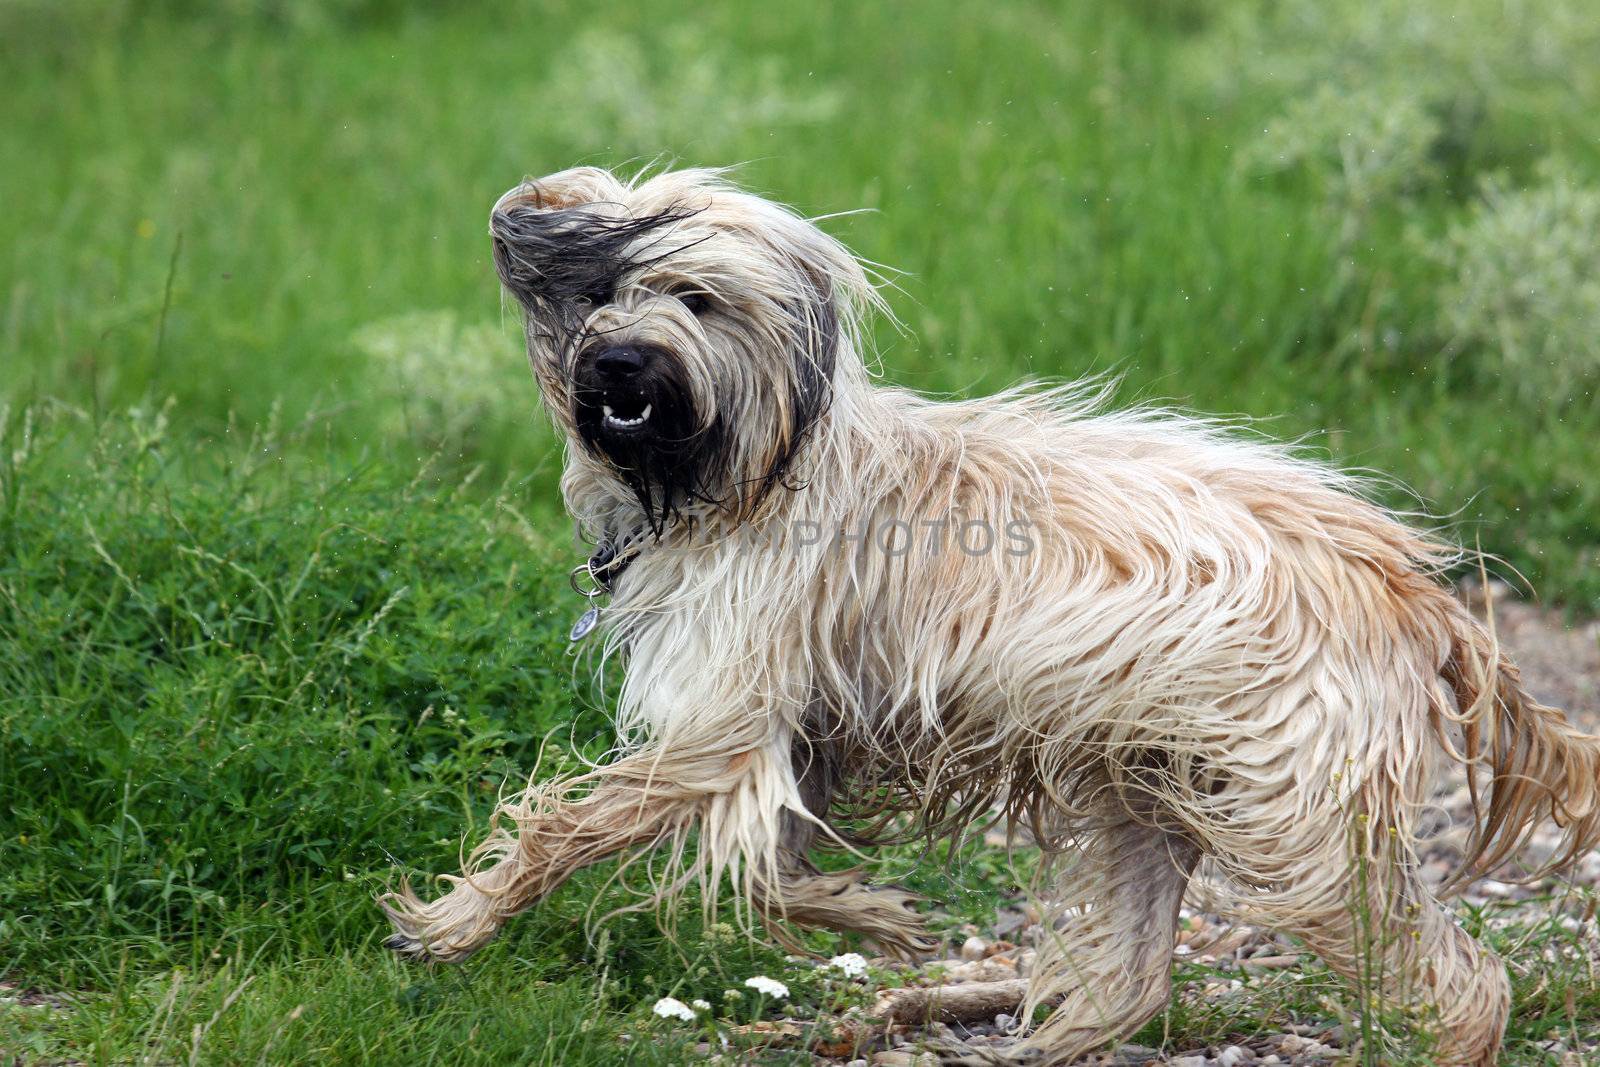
[[1211, 648]]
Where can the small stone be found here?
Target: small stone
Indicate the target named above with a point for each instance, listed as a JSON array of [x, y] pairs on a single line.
[[1004, 1023], [990, 970], [974, 948], [1233, 1055], [1189, 1061], [905, 1059]]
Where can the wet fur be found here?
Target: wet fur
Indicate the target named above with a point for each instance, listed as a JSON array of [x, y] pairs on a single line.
[[1217, 650]]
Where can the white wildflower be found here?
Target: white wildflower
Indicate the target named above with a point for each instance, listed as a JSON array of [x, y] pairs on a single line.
[[700, 1005], [853, 964], [672, 1008], [767, 986]]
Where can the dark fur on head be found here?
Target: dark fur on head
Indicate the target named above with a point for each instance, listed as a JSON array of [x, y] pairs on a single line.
[[560, 264], [742, 305], [675, 467]]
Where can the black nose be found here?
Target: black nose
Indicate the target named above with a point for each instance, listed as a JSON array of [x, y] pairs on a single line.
[[620, 361]]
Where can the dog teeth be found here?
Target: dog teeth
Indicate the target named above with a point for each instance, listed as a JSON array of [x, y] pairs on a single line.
[[614, 420]]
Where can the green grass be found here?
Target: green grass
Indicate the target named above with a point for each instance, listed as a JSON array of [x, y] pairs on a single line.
[[274, 499], [238, 691], [239, 694]]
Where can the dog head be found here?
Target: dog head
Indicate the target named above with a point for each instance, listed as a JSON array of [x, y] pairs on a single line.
[[688, 337]]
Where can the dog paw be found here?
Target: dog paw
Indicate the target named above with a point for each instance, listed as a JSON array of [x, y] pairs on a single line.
[[897, 925], [407, 947], [904, 946], [408, 919], [447, 930]]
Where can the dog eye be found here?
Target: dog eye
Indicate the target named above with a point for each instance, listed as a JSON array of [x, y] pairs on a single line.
[[697, 303]]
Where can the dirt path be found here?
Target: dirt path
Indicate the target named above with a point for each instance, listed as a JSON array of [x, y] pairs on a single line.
[[1560, 663]]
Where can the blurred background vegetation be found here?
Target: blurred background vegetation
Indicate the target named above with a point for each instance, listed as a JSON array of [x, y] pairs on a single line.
[[274, 494], [1372, 223]]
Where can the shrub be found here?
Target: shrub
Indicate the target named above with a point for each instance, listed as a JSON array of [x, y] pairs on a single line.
[[1360, 147], [1524, 285], [443, 380], [1355, 78]]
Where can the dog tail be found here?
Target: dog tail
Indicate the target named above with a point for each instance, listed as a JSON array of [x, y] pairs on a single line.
[[1537, 764]]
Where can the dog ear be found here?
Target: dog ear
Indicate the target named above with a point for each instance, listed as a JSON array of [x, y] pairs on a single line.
[[563, 243], [815, 326], [563, 189], [815, 349], [833, 295]]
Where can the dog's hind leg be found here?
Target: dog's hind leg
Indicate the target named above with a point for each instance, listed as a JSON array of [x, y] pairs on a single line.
[[1109, 965], [844, 901], [797, 892], [1357, 901]]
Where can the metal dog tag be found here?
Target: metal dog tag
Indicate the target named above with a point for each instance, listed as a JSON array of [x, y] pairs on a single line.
[[586, 623]]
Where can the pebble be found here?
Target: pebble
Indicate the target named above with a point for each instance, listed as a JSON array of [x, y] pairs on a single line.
[[1304, 1048], [974, 948], [1234, 1055], [905, 1059], [997, 969]]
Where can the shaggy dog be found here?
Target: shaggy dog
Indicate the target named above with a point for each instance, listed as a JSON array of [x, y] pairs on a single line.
[[849, 611]]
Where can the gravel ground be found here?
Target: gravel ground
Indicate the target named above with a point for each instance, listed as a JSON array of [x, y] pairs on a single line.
[[1561, 665]]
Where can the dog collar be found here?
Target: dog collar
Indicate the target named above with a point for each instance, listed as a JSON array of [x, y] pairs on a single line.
[[600, 571]]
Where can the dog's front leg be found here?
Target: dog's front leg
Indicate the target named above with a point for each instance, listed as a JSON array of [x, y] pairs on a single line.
[[545, 834]]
